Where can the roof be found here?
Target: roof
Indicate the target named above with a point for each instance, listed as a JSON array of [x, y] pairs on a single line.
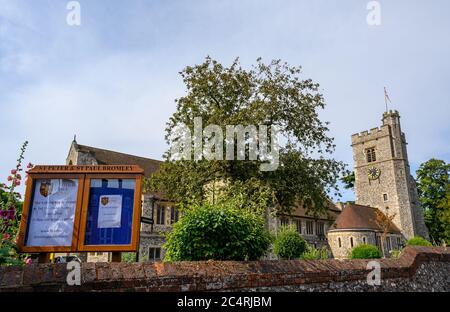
[[107, 157], [331, 213], [360, 217]]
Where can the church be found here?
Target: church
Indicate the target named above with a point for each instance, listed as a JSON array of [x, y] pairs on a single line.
[[385, 213], [387, 210]]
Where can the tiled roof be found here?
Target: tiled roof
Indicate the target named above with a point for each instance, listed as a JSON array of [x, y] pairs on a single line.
[[361, 217], [107, 157], [331, 214]]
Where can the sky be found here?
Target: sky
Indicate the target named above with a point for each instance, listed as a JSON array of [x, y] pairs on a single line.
[[113, 79]]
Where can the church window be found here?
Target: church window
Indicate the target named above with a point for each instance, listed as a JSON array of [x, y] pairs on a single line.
[[298, 225], [320, 228], [309, 227], [284, 221], [364, 240], [174, 215], [388, 243], [70, 163], [378, 241], [399, 242], [339, 242], [385, 197], [351, 242], [370, 154], [160, 214], [154, 254]]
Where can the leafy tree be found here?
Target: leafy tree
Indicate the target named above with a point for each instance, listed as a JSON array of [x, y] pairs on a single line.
[[365, 251], [433, 186], [289, 244], [349, 180], [385, 223], [267, 94], [220, 232], [418, 241]]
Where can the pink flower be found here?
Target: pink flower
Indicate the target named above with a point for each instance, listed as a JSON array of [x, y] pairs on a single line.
[[10, 178], [30, 165], [28, 261], [13, 171], [17, 182], [6, 236]]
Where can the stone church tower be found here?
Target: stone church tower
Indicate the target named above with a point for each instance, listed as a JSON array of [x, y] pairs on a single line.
[[382, 175]]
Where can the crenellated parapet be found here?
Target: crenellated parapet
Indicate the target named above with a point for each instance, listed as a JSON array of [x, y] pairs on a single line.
[[373, 134]]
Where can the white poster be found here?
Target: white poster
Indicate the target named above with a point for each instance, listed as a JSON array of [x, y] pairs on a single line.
[[52, 212], [110, 211]]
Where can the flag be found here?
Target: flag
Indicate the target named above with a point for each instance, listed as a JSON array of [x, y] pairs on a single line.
[[386, 96]]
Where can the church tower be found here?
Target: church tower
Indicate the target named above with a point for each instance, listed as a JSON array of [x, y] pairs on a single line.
[[382, 175]]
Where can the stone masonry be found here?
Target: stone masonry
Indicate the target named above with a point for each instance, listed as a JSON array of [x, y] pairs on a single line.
[[417, 269], [394, 191]]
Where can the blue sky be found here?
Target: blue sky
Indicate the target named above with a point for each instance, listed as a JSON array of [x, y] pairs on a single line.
[[113, 80]]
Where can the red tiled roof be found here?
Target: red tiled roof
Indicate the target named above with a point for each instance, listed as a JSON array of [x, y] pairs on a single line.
[[360, 217], [107, 157]]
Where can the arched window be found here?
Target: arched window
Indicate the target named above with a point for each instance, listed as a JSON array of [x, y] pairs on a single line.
[[364, 240], [351, 242], [339, 242]]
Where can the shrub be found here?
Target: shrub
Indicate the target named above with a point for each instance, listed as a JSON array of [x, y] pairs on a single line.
[[365, 252], [219, 232], [418, 241], [395, 253], [289, 244], [10, 214], [312, 253]]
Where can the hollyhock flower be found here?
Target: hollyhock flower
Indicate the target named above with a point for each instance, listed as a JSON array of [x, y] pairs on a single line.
[[28, 261], [30, 165], [11, 214], [6, 236], [18, 176], [13, 171], [17, 182], [10, 178]]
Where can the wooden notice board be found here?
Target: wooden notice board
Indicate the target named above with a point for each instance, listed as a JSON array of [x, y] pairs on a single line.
[[81, 208]]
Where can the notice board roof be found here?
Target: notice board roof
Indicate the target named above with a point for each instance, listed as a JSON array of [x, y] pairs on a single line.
[[39, 169]]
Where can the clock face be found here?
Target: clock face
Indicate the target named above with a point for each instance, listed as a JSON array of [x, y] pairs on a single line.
[[373, 173]]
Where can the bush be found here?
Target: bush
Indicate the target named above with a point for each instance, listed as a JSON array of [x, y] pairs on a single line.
[[365, 252], [395, 253], [289, 244], [418, 241], [221, 232], [312, 253]]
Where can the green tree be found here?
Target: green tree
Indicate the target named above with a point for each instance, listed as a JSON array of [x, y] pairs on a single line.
[[349, 180], [267, 94], [433, 186], [217, 232], [289, 244], [365, 251], [418, 241]]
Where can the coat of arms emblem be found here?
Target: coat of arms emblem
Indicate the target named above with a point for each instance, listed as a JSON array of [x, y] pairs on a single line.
[[105, 201], [45, 188]]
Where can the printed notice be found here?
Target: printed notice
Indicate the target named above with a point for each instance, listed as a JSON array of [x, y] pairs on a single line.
[[110, 211], [52, 212]]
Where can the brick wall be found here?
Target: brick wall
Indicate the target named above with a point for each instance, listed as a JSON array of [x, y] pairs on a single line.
[[418, 269]]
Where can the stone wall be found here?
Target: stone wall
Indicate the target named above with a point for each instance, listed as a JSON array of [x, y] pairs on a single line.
[[340, 241], [418, 269]]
